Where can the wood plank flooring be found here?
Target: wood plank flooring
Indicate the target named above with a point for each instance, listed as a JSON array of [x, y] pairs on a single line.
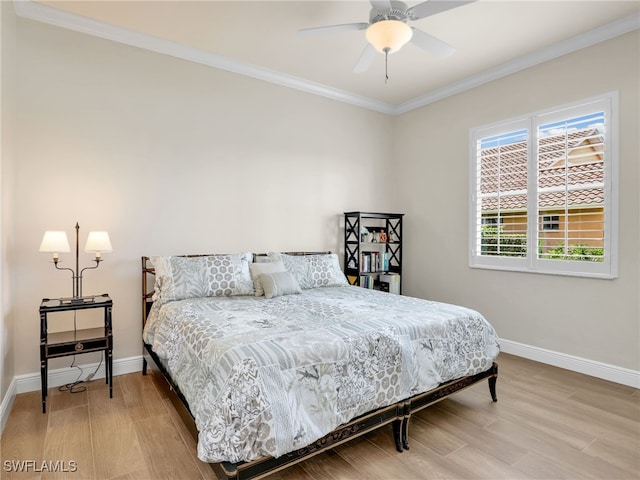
[[548, 423]]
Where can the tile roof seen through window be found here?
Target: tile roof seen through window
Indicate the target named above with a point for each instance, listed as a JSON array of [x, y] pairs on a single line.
[[570, 166]]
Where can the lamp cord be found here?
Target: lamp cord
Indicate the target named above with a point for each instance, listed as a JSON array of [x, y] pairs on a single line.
[[75, 387]]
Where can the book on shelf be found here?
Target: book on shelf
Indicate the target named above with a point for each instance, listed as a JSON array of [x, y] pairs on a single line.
[[365, 263], [384, 261], [367, 281], [374, 262]]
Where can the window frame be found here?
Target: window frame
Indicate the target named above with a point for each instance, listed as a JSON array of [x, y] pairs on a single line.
[[608, 268]]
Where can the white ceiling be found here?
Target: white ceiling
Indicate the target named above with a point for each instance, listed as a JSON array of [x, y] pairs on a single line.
[[260, 39]]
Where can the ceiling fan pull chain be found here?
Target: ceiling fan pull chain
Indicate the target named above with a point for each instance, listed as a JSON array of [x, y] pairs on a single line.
[[386, 66]]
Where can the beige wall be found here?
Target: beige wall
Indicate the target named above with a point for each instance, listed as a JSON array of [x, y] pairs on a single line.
[[7, 84], [171, 157], [432, 158]]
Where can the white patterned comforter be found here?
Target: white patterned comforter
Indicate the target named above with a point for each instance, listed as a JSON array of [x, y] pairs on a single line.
[[265, 377]]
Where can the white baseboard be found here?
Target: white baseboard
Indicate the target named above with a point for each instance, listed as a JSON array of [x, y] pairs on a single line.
[[31, 381], [605, 371], [61, 376], [7, 404]]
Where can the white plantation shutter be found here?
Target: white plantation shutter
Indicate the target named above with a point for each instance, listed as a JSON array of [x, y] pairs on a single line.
[[500, 189], [541, 192], [571, 159], [503, 194]]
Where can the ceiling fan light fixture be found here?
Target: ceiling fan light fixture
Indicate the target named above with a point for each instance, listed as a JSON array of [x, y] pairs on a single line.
[[388, 36]]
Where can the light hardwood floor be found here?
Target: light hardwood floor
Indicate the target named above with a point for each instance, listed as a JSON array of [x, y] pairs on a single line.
[[548, 423]]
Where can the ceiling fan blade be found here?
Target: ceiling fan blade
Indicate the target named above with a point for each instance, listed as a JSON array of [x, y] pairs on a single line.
[[431, 7], [345, 27], [365, 60], [431, 44], [381, 5]]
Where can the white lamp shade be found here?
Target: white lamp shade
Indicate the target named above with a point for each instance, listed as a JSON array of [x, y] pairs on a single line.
[[55, 242], [389, 34], [98, 242]]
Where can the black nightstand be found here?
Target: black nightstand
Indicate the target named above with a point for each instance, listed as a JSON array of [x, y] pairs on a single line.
[[75, 341]]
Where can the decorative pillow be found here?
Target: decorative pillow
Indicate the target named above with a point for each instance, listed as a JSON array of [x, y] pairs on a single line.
[[313, 271], [178, 278], [298, 266], [257, 269], [325, 271], [277, 284]]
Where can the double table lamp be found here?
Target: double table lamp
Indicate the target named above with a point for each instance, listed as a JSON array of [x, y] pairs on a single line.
[[56, 242]]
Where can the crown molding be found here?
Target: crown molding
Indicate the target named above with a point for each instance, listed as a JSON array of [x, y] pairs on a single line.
[[605, 32], [59, 18], [52, 16]]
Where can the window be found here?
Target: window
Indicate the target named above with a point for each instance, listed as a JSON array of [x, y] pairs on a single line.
[[544, 191], [551, 222]]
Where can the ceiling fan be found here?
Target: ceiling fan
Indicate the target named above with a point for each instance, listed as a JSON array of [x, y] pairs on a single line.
[[388, 29]]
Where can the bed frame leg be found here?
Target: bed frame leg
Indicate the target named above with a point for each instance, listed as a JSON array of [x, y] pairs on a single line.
[[401, 427], [144, 365], [405, 433], [492, 383], [405, 424], [397, 434], [492, 388]]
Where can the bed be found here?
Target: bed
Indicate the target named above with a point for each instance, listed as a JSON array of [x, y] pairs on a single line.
[[274, 358]]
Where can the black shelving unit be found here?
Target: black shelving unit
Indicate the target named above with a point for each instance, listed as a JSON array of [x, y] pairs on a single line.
[[373, 250]]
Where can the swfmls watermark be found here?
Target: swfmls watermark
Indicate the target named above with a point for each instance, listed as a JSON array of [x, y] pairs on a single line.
[[39, 466]]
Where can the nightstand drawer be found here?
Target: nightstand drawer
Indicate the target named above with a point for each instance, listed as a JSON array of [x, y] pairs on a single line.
[[77, 346]]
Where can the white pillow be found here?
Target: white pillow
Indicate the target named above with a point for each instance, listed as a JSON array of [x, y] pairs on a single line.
[[277, 284], [313, 271], [258, 269]]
